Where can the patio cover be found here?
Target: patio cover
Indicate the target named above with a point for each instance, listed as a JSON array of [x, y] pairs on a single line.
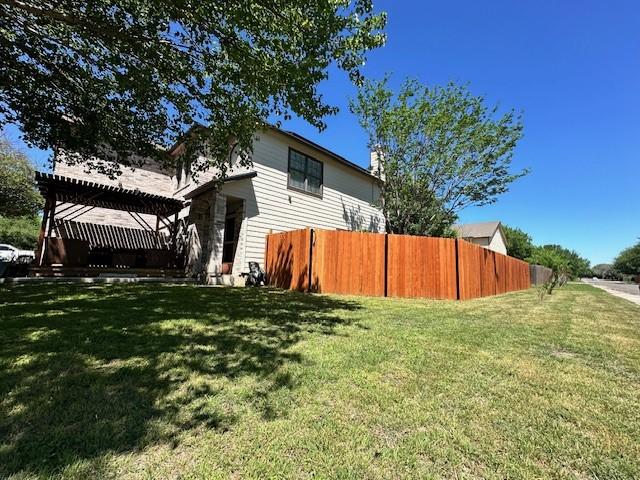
[[82, 192]]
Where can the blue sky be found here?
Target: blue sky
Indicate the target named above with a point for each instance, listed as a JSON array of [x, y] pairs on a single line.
[[573, 67]]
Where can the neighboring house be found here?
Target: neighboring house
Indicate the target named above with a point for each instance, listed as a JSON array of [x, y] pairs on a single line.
[[293, 183], [487, 234]]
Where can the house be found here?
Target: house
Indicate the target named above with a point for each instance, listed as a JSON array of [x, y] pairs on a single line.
[[293, 183], [487, 234]]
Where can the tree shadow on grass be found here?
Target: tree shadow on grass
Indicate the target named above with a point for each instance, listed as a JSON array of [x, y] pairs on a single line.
[[86, 371]]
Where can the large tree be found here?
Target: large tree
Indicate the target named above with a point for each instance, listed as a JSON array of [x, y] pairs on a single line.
[[18, 194], [519, 243], [137, 74], [628, 261], [441, 149]]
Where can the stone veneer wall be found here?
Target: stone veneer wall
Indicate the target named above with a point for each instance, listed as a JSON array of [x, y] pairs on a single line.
[[152, 179], [199, 222]]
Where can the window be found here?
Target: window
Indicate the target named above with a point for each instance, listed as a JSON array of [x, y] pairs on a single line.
[[305, 173]]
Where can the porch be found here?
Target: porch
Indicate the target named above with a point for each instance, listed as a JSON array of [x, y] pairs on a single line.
[[91, 229], [217, 234]]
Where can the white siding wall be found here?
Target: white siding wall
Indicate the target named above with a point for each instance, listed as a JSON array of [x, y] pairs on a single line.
[[347, 201], [497, 243]]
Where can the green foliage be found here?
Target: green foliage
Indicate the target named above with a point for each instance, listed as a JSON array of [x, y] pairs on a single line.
[[441, 149], [133, 75], [565, 263], [18, 194], [628, 261], [547, 257], [606, 271], [561, 259], [553, 259], [519, 243], [21, 232]]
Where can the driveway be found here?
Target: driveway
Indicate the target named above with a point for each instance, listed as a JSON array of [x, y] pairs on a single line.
[[630, 291]]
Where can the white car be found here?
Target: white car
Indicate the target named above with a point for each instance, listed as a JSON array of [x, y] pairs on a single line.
[[11, 254]]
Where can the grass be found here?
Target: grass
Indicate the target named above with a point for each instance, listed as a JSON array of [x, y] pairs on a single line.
[[136, 381]]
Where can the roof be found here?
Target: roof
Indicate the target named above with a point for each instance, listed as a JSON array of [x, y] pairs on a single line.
[[477, 230], [210, 185], [83, 192], [301, 139]]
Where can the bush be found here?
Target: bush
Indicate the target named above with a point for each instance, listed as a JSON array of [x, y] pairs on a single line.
[[21, 232]]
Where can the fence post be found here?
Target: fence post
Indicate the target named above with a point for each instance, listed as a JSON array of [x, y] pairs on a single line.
[[386, 263], [310, 281], [266, 257], [457, 271]]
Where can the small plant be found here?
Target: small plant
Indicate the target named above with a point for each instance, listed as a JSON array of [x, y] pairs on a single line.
[[542, 290], [559, 277]]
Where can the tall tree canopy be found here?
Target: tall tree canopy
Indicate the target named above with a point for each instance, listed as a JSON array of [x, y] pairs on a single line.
[[519, 243], [628, 261], [441, 149], [18, 194], [137, 74]]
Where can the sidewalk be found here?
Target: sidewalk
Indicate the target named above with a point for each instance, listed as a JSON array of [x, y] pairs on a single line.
[[627, 296]]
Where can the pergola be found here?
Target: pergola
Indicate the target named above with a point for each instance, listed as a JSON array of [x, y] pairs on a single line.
[[67, 199]]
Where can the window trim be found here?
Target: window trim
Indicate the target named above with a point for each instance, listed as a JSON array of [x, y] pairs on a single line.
[[304, 190]]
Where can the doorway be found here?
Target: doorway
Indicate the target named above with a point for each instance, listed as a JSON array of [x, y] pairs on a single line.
[[232, 224]]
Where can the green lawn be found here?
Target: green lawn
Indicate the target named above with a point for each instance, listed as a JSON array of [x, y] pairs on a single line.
[[149, 381]]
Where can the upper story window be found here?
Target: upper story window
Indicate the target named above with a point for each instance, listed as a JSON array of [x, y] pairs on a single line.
[[305, 173]]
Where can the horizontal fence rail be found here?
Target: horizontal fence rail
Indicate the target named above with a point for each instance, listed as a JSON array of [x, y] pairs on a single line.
[[374, 264]]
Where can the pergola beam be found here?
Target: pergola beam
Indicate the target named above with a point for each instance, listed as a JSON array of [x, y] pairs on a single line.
[[80, 192]]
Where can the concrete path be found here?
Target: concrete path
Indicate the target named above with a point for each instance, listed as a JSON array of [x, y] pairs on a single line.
[[628, 291]]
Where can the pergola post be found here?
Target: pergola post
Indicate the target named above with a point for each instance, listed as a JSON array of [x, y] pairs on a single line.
[[52, 216], [174, 240], [41, 251]]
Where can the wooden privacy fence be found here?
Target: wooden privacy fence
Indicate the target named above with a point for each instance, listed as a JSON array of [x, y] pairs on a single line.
[[334, 261], [539, 274]]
